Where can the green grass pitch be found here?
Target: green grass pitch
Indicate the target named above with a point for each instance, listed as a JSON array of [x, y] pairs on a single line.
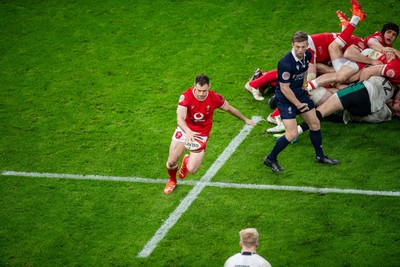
[[91, 88]]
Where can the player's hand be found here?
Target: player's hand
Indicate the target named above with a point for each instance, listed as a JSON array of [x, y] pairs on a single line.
[[250, 122], [190, 136], [390, 56], [303, 107], [387, 50]]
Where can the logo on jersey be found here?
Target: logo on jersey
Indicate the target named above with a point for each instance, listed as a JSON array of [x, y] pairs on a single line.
[[390, 73], [181, 98], [286, 75], [198, 117]]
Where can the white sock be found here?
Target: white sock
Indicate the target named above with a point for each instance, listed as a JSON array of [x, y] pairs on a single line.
[[312, 85], [354, 20]]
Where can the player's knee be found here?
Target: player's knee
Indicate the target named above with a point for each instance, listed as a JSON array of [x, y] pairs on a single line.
[[171, 166], [315, 124], [291, 135], [342, 76], [192, 169]]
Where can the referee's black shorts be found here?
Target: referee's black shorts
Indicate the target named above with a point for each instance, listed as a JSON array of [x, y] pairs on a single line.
[[289, 111]]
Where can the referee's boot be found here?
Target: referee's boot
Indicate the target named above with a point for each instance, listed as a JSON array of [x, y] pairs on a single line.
[[273, 164], [326, 160]]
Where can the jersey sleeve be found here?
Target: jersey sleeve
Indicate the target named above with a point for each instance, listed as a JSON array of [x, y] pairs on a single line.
[[392, 71], [184, 99], [284, 72], [220, 100]]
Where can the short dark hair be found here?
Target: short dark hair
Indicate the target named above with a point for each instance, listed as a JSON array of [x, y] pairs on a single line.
[[202, 80], [299, 37], [390, 26]]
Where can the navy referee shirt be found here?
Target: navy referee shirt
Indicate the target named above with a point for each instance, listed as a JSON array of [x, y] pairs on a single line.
[[292, 70]]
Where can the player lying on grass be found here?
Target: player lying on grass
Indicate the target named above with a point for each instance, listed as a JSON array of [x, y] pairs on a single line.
[[374, 100], [389, 70], [194, 121]]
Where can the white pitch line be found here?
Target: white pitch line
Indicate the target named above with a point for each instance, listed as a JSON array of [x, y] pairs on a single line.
[[306, 189], [199, 186], [188, 200]]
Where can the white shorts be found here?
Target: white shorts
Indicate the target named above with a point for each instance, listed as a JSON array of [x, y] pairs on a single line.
[[340, 62]]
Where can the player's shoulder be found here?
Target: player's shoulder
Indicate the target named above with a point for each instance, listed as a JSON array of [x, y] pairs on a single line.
[[188, 91], [214, 96], [308, 54], [186, 96], [376, 35], [286, 59]]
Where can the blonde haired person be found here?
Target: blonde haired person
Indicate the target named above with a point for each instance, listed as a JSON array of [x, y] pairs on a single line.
[[248, 256]]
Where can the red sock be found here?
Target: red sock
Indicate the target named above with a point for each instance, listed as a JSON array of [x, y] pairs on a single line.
[[172, 174], [267, 78], [346, 34], [275, 113]]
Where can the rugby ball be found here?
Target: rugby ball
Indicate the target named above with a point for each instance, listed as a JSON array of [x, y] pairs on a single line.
[[195, 145]]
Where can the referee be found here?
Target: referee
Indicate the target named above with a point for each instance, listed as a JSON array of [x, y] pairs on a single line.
[[292, 99]]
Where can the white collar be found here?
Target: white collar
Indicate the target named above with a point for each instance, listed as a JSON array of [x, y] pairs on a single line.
[[295, 57]]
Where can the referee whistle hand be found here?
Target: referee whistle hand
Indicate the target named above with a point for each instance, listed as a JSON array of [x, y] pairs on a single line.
[[303, 107]]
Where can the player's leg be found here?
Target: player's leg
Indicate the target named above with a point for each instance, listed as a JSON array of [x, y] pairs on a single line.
[[191, 163], [265, 79], [343, 66], [310, 117], [175, 151], [330, 106], [195, 160], [271, 159]]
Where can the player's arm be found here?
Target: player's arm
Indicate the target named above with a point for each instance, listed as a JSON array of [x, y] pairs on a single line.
[[375, 44], [388, 51], [370, 71], [181, 113], [288, 93], [322, 69], [354, 54], [392, 50], [235, 112]]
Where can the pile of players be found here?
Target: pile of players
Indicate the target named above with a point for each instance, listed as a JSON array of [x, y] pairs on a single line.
[[327, 73], [340, 59]]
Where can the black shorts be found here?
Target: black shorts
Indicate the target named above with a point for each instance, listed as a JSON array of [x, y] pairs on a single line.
[[289, 111], [355, 99]]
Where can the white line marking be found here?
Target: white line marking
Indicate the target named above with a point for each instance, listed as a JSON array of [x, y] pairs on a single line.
[[188, 200], [305, 189], [199, 186]]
